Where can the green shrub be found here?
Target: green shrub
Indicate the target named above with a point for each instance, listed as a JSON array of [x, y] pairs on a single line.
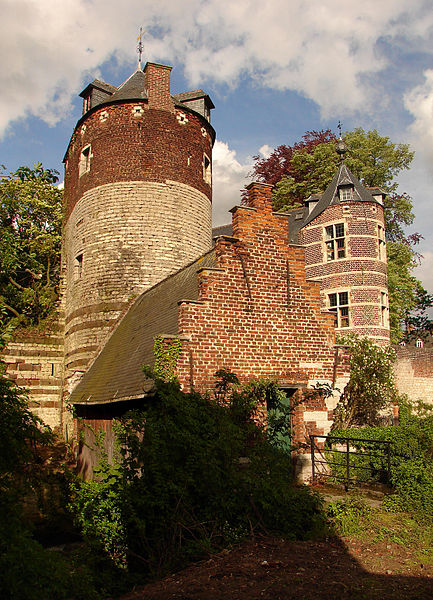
[[411, 460], [195, 473]]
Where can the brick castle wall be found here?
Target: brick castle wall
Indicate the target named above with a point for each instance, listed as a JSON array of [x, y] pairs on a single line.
[[259, 316], [138, 207], [362, 272]]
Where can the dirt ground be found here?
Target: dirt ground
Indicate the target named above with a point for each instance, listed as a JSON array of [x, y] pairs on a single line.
[[273, 569]]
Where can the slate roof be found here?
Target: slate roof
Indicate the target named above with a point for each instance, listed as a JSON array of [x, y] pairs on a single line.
[[132, 89], [222, 230], [97, 83], [343, 177], [116, 372]]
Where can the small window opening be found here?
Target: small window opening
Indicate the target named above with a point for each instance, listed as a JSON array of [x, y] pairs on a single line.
[[335, 241], [52, 369], [384, 309], [419, 343], [85, 158], [339, 305], [381, 240], [78, 267], [207, 169]]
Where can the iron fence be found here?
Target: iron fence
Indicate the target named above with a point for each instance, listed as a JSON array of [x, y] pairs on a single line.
[[341, 459]]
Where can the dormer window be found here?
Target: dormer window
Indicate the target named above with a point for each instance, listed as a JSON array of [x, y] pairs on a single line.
[[346, 193]]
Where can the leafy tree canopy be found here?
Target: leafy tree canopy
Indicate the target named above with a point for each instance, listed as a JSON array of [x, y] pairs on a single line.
[[30, 237], [308, 166]]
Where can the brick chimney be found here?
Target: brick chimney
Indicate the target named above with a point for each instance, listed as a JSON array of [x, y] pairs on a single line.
[[259, 196], [157, 78]]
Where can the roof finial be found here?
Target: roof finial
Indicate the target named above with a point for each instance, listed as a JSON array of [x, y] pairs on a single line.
[[140, 46], [341, 147]]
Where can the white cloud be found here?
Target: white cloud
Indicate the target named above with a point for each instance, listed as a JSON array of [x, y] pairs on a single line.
[[265, 151], [316, 48], [229, 177]]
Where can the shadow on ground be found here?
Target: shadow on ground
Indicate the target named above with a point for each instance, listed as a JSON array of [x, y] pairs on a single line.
[[274, 569]]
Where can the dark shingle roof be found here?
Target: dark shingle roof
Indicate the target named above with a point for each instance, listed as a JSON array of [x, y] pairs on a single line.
[[116, 373], [132, 89], [330, 196]]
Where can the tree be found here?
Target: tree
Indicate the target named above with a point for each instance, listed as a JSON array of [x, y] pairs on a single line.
[[308, 166], [370, 388], [30, 238]]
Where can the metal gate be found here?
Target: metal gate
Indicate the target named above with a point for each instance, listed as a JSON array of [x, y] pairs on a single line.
[[342, 459]]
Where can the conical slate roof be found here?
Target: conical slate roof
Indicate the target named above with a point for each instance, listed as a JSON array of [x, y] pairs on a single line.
[[132, 89], [343, 177]]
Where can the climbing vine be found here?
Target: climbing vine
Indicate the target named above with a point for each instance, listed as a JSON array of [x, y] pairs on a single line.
[[167, 353]]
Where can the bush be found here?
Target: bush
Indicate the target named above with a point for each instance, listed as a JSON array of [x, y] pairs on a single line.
[[411, 460], [195, 474]]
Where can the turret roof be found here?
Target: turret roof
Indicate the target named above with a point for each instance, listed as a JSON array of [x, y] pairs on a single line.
[[343, 177]]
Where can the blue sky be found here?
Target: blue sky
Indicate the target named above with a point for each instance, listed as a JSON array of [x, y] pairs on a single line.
[[274, 70]]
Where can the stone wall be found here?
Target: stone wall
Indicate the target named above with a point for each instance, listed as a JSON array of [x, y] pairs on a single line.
[[414, 373], [35, 362]]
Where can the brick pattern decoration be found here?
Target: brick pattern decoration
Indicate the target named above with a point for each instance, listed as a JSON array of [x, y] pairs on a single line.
[[258, 315], [35, 362], [130, 141], [414, 373], [138, 207], [361, 272]]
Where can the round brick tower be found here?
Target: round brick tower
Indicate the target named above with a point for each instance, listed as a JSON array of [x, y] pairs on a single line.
[[138, 195]]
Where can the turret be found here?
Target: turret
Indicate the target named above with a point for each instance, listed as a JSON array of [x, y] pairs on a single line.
[[138, 194]]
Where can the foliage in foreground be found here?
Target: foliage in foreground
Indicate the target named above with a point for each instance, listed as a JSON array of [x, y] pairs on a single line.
[[194, 476], [370, 388], [411, 460], [30, 237]]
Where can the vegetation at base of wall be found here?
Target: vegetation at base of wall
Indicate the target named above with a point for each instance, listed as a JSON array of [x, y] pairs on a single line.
[[308, 166], [195, 475], [27, 570], [370, 388], [30, 238], [411, 460]]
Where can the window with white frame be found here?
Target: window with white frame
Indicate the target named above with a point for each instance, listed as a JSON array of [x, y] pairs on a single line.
[[381, 242], [419, 343], [335, 241], [85, 157], [339, 305], [346, 193]]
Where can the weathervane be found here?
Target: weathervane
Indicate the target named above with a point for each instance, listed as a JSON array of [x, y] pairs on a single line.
[[140, 45], [341, 147]]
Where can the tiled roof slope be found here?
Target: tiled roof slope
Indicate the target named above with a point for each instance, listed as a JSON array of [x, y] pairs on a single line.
[[116, 373]]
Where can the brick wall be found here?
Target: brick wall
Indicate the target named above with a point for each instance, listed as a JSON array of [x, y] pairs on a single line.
[[259, 316], [131, 142], [414, 373], [35, 362], [362, 272]]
